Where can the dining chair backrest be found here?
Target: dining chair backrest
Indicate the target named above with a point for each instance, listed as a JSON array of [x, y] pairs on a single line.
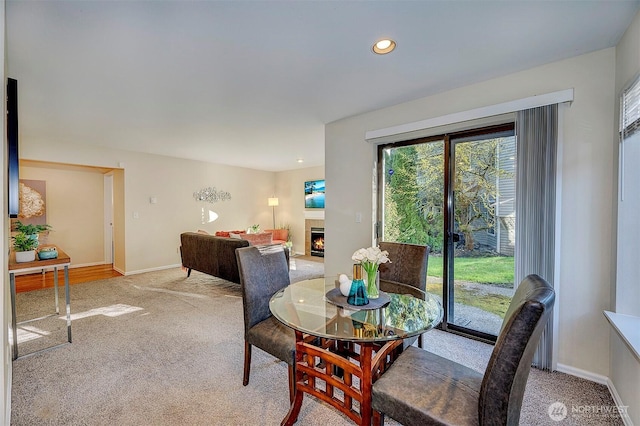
[[506, 375], [408, 264], [263, 272]]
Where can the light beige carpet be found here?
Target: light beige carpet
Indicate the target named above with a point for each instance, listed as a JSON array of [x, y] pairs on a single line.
[[162, 349]]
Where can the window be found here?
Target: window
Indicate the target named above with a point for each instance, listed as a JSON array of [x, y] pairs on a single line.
[[628, 244], [630, 110]]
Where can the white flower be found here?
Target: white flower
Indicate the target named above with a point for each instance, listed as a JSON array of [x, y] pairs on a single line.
[[371, 255]]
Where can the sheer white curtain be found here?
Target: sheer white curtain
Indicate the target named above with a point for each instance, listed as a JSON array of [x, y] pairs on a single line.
[[537, 141]]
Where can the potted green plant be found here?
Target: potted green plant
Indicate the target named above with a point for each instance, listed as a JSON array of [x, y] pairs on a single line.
[[288, 245], [31, 230], [25, 247]]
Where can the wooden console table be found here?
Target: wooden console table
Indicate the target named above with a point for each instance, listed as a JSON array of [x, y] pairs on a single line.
[[63, 260]]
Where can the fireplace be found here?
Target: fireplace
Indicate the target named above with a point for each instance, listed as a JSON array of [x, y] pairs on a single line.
[[317, 242]]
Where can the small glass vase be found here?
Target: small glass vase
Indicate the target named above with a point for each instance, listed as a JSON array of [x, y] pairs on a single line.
[[358, 293], [373, 283]]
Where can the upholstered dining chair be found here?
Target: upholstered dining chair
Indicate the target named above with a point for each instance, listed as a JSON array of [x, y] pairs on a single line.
[[408, 266], [263, 272], [426, 389]]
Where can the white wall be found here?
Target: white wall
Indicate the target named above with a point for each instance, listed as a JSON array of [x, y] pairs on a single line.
[[74, 205], [290, 191], [5, 298], [75, 209], [152, 240], [624, 366], [588, 173]]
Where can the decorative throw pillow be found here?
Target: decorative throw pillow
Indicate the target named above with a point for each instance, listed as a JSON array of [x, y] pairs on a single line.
[[259, 239], [281, 234]]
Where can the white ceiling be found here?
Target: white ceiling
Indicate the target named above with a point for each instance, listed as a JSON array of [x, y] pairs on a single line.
[[252, 83]]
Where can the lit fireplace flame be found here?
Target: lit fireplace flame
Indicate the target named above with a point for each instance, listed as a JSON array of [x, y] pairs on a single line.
[[318, 243]]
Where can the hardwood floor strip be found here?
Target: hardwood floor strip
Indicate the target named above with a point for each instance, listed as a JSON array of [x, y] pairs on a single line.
[[39, 281]]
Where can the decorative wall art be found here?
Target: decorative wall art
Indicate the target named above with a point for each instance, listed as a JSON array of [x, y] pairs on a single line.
[[314, 194], [33, 207], [211, 195]]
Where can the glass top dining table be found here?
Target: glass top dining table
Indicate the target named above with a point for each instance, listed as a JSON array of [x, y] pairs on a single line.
[[348, 347], [304, 306]]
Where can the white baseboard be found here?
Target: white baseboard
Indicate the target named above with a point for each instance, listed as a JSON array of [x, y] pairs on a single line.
[[598, 378], [159, 268], [583, 374], [618, 401]]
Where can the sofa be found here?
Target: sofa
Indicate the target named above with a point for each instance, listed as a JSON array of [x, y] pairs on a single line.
[[280, 236], [213, 255]]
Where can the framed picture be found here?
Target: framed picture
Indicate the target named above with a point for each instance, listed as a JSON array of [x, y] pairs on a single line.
[[314, 194]]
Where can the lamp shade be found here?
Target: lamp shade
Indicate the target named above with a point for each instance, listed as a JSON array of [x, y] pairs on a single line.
[[273, 202]]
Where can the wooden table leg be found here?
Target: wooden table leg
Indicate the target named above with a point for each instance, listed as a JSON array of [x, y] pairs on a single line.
[[296, 404], [366, 353], [294, 410], [316, 363]]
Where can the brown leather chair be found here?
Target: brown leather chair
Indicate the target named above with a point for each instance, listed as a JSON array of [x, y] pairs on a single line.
[[408, 266], [263, 272], [426, 389]]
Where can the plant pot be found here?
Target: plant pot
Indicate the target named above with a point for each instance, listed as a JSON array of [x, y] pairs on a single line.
[[25, 256], [48, 253]]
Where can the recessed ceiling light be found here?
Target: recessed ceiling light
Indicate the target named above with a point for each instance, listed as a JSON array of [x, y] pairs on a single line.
[[384, 46], [300, 160]]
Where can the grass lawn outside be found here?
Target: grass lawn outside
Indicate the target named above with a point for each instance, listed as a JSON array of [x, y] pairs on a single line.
[[497, 270]]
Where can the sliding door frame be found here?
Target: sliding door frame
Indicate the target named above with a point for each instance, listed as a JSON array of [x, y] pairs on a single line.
[[448, 249]]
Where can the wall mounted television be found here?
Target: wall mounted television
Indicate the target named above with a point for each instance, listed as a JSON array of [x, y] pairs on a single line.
[[12, 147], [314, 194]]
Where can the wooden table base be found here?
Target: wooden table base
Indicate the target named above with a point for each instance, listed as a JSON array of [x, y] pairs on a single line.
[[339, 373]]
